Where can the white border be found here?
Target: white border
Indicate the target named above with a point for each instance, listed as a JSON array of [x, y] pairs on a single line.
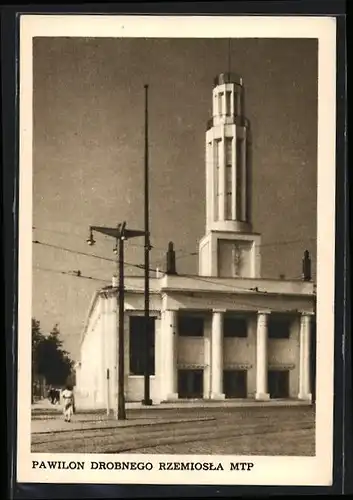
[[267, 470]]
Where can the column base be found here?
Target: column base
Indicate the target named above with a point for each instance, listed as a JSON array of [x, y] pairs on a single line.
[[305, 396], [262, 396], [217, 396]]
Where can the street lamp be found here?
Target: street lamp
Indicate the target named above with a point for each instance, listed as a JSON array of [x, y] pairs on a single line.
[[120, 233]]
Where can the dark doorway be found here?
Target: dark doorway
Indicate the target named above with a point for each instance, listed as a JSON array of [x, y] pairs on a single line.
[[190, 384], [137, 345], [278, 384], [235, 383]]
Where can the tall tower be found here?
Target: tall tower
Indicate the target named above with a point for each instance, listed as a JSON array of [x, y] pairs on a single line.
[[229, 247]]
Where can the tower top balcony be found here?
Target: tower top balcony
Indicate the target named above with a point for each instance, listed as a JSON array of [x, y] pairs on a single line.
[[223, 78]]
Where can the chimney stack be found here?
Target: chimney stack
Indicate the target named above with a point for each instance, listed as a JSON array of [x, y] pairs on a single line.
[[171, 268], [115, 282], [306, 266]]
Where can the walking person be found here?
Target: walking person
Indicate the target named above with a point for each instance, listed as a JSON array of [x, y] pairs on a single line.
[[68, 400]]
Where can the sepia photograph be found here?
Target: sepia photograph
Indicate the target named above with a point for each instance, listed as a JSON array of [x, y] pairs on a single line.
[[174, 262]]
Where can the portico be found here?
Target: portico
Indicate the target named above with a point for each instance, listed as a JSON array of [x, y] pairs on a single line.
[[243, 354]]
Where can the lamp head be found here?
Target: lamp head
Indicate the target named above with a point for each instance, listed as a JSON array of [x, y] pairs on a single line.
[[90, 240]]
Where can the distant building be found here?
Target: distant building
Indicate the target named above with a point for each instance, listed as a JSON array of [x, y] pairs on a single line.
[[224, 333]]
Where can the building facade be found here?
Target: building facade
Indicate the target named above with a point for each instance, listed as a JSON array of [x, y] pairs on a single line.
[[224, 333]]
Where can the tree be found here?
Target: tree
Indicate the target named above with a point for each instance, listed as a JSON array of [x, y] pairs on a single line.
[[37, 338], [48, 356]]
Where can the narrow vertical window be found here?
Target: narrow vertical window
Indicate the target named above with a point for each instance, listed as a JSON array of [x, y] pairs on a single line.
[[229, 141], [235, 102], [220, 103], [228, 103], [228, 179], [216, 175], [239, 176], [137, 343]]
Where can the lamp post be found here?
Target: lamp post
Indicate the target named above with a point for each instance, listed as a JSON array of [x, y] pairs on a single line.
[[120, 233], [147, 344]]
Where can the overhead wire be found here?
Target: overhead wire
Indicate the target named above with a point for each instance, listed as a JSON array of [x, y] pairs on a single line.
[[183, 252], [141, 289]]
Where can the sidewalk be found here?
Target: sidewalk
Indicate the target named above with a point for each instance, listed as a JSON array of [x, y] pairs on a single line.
[[44, 407], [94, 422]]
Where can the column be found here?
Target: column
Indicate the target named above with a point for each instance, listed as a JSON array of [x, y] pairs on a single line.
[[170, 354], [304, 358], [159, 360], [126, 355], [207, 358], [261, 356], [217, 355]]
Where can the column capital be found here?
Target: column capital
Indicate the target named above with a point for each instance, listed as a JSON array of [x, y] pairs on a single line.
[[307, 313], [264, 311], [219, 310]]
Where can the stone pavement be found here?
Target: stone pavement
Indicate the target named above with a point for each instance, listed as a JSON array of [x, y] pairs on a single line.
[[218, 430]]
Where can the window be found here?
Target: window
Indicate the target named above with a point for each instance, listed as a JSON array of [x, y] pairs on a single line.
[[220, 103], [279, 327], [239, 163], [229, 152], [190, 384], [228, 180], [228, 103], [229, 158], [235, 107], [229, 192], [235, 327], [235, 383], [190, 326], [216, 174], [137, 346], [278, 384]]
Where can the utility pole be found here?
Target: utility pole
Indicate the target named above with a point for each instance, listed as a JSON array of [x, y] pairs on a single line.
[[121, 414], [120, 233], [147, 400], [307, 276]]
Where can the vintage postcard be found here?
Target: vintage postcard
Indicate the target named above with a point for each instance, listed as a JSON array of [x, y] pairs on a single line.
[[176, 250]]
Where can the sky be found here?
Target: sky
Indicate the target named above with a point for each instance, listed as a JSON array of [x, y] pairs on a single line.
[[88, 157]]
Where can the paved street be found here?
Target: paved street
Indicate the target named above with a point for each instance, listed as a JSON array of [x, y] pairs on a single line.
[[272, 430]]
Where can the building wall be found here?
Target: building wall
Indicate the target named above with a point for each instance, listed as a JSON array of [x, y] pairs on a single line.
[[191, 351], [225, 261], [204, 258], [88, 388], [135, 391], [96, 384], [99, 347], [240, 353]]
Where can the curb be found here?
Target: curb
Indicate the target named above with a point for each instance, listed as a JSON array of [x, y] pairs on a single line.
[[254, 404], [145, 424]]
